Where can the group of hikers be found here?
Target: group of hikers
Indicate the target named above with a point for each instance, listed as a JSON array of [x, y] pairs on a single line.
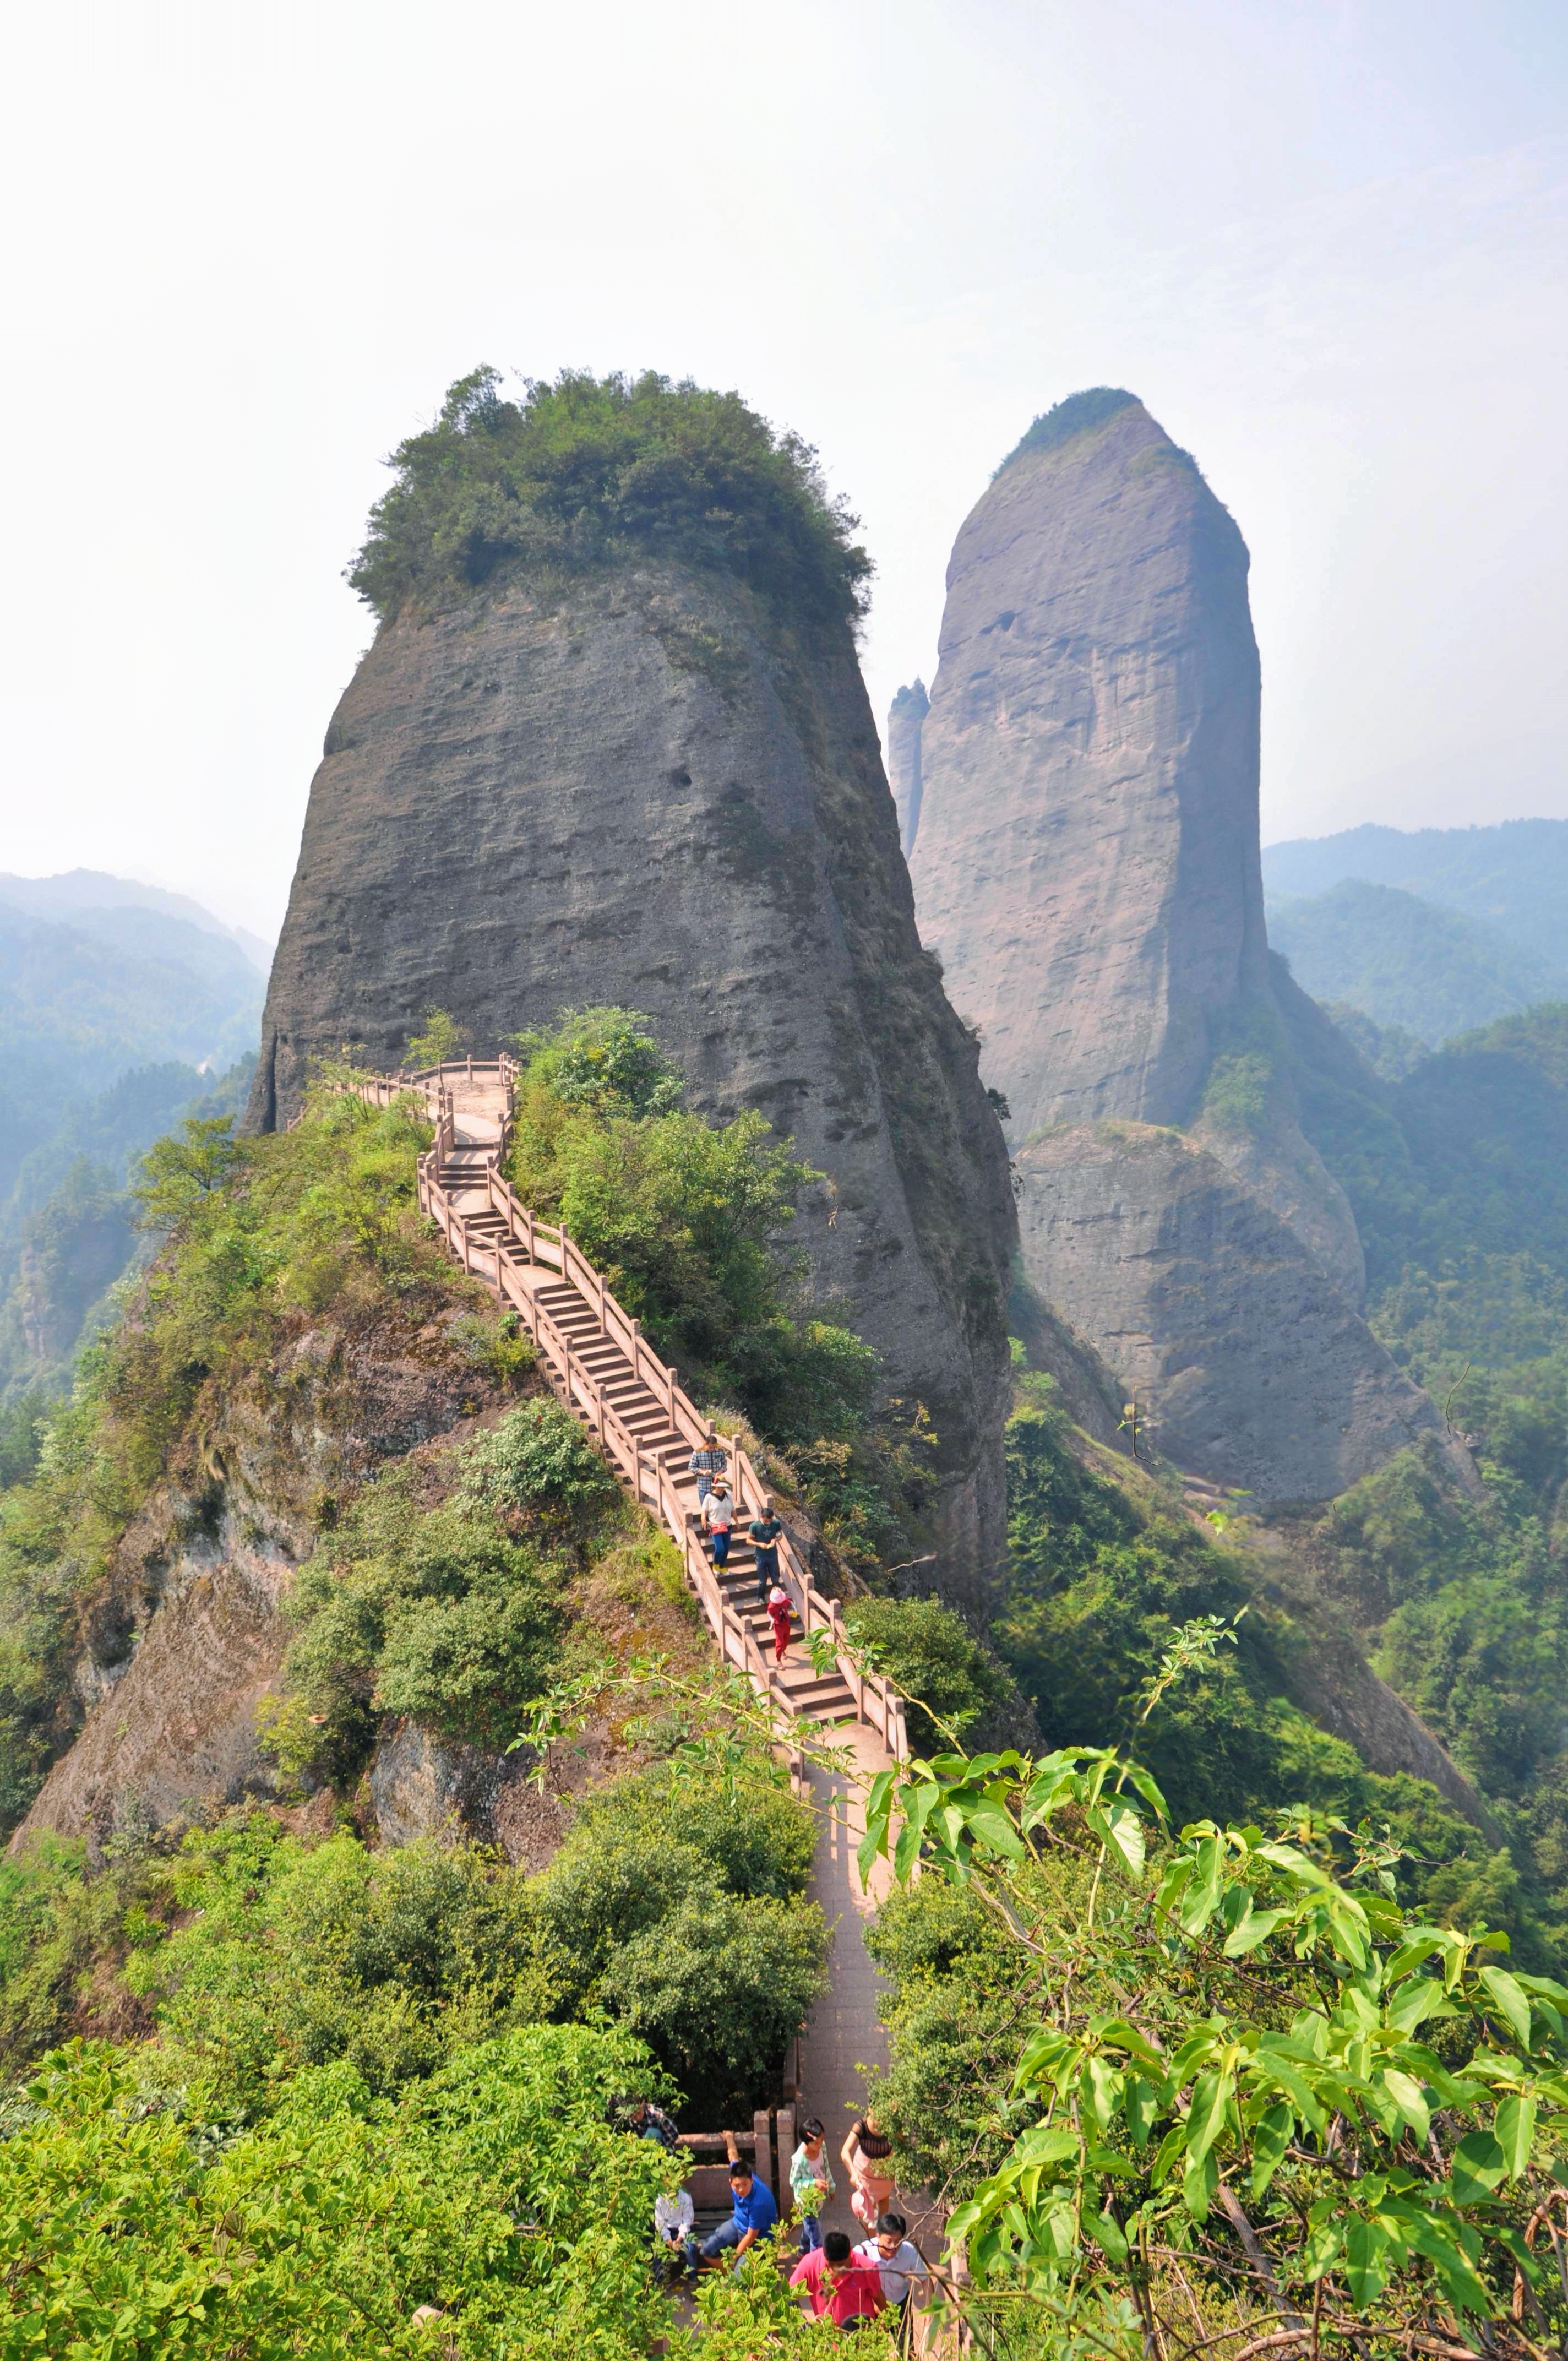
[[838, 2279], [710, 1463]]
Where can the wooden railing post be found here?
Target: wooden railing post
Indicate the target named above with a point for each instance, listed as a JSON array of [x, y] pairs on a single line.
[[671, 1374]]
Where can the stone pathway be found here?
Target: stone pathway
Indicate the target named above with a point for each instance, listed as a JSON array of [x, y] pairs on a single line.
[[845, 2033]]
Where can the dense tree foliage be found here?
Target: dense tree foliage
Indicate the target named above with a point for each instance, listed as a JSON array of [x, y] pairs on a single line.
[[931, 1655], [689, 1222], [493, 2200], [1103, 1570], [1201, 2087], [589, 470], [675, 1906], [1406, 962]]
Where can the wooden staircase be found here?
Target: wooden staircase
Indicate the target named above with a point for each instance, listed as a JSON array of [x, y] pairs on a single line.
[[630, 1402]]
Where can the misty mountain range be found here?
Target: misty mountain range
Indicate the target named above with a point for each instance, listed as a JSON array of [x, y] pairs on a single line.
[[123, 1008], [1434, 931]]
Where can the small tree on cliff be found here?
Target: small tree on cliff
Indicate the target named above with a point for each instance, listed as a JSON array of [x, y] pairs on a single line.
[[443, 1038]]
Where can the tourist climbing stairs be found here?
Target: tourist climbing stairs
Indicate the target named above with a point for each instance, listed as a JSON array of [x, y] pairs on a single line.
[[629, 1401]]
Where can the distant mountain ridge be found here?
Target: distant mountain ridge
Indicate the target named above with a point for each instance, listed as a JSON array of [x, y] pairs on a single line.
[[120, 1006], [1403, 961], [72, 893], [1514, 875]]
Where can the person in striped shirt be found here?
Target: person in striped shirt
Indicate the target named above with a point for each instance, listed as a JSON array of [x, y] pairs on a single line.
[[708, 1460]]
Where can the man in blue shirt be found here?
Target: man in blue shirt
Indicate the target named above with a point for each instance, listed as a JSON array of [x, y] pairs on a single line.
[[754, 2217]]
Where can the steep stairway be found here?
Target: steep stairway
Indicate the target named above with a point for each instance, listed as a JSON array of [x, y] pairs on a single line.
[[629, 1400]]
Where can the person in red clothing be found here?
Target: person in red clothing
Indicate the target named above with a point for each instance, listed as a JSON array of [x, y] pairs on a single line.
[[778, 1615], [847, 2290]]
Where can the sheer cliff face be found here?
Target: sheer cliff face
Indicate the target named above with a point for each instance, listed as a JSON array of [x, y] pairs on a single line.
[[1086, 864], [637, 792], [1087, 856]]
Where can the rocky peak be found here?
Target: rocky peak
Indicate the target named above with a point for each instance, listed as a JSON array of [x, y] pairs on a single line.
[[904, 717], [1087, 867], [648, 782], [1087, 863]]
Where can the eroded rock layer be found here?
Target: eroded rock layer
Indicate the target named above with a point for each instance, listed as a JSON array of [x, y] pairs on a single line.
[[638, 791], [1246, 1362]]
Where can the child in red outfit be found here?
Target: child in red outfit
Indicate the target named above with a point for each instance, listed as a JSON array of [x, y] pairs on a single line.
[[778, 1615], [836, 2284]]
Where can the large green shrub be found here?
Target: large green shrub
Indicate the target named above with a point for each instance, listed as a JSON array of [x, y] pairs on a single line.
[[261, 1954], [538, 1465], [687, 1222], [589, 470], [934, 1658], [496, 2195], [440, 1614], [677, 1904]]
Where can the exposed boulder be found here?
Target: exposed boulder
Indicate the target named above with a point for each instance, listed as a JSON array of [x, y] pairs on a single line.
[[1245, 1359], [636, 787]]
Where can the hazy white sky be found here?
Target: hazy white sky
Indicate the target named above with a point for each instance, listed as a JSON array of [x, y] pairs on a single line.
[[249, 247]]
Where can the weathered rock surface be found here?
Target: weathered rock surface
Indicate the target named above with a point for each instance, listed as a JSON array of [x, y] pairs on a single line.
[[906, 717], [1087, 858], [1086, 862], [1085, 866], [638, 790], [1245, 1361], [186, 1635], [172, 1728]]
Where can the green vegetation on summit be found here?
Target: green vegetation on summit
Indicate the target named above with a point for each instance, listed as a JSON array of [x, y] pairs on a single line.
[[588, 469], [1077, 415]]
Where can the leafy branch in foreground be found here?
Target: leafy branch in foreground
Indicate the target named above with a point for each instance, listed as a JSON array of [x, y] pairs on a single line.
[[1255, 2106]]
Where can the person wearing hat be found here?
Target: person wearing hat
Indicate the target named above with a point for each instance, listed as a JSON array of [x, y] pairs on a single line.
[[779, 1617], [718, 1517]]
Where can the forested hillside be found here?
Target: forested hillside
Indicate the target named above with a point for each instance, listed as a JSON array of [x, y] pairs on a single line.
[[1405, 962], [1513, 876], [442, 2021]]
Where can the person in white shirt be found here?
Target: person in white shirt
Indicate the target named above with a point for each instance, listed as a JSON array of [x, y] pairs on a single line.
[[898, 2260], [673, 2223], [718, 1516]]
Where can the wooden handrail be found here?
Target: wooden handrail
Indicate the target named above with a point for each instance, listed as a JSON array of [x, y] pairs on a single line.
[[525, 1240]]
